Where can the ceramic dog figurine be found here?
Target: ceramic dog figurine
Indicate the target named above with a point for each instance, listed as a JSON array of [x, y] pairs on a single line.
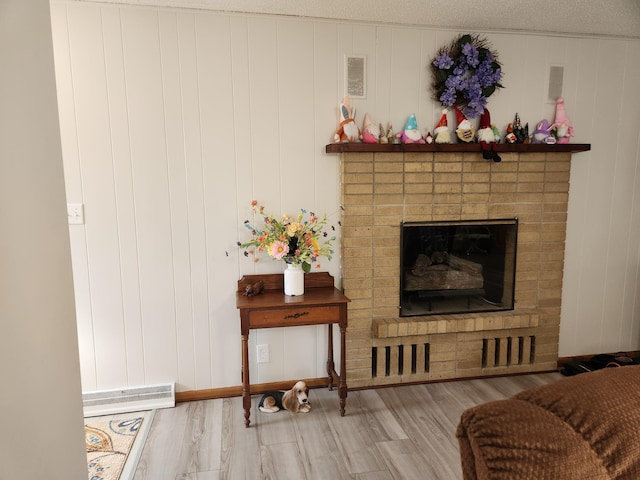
[[295, 400]]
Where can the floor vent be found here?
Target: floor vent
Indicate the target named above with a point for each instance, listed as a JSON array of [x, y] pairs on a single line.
[[133, 399], [505, 351], [403, 359]]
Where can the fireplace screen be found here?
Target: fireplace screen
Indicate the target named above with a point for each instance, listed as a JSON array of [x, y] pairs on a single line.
[[457, 267]]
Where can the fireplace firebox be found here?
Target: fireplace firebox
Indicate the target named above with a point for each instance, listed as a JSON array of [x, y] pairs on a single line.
[[457, 267]]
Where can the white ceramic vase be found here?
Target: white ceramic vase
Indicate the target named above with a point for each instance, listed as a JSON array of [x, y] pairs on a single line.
[[294, 279]]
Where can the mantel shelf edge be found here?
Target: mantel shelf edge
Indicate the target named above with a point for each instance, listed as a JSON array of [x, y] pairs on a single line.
[[455, 147]]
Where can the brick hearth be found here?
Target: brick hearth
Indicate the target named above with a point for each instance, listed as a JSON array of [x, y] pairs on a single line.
[[382, 189]]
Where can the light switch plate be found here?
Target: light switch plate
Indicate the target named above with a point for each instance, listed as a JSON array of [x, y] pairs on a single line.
[[75, 213]]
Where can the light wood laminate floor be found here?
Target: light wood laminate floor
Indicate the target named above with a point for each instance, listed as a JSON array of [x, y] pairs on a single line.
[[405, 432]]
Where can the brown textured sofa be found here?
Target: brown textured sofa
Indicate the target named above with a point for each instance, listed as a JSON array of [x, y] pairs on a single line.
[[582, 427]]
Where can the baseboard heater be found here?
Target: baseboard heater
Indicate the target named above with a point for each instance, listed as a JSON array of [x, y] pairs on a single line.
[[130, 399]]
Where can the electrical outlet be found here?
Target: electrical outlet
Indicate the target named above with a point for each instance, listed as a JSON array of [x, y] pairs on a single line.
[[262, 353], [75, 213]]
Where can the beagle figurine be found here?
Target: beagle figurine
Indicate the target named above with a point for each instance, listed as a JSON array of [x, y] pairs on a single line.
[[295, 400]]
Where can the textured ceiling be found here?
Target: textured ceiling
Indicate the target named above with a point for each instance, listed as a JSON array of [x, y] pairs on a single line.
[[619, 18]]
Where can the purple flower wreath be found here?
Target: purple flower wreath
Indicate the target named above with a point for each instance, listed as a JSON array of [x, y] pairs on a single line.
[[465, 74]]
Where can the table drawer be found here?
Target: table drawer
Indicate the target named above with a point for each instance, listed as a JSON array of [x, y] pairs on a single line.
[[294, 316]]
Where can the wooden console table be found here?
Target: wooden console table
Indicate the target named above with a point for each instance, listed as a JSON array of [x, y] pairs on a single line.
[[321, 304]]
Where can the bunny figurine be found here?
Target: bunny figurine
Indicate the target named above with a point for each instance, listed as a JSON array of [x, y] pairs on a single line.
[[348, 130]]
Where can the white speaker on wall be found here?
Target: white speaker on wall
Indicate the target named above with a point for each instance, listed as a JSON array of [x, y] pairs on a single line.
[[556, 79]]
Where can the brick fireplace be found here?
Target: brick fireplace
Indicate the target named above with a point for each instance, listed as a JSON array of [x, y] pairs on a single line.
[[381, 189]]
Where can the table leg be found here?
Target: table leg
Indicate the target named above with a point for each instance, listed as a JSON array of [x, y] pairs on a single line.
[[246, 389], [331, 370], [342, 386]]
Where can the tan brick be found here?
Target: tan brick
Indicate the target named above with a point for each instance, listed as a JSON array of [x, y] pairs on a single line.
[[387, 210], [388, 199], [478, 198], [357, 199], [452, 198], [386, 189], [388, 167], [472, 187], [532, 166], [418, 188], [503, 187], [447, 188], [357, 221], [447, 166], [421, 177], [447, 178], [418, 166]]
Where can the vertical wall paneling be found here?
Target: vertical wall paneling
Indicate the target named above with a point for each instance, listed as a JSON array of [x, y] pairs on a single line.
[[123, 195], [140, 33], [327, 192], [173, 120], [295, 115], [430, 111], [188, 47], [382, 74], [98, 179], [217, 113], [73, 188], [171, 66], [583, 90], [297, 161], [406, 64], [625, 220], [595, 281], [267, 177], [630, 335]]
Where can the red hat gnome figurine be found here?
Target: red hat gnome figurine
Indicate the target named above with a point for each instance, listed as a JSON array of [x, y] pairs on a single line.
[[441, 131], [465, 130], [562, 127], [487, 138]]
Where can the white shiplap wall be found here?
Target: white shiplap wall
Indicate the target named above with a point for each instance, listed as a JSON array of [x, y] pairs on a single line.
[[174, 120]]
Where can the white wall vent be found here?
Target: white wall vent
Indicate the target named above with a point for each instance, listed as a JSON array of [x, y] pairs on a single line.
[[131, 399]]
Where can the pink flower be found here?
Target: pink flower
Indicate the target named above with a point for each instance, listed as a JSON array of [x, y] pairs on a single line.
[[278, 250]]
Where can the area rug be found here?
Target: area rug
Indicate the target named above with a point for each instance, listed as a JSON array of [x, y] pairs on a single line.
[[114, 444]]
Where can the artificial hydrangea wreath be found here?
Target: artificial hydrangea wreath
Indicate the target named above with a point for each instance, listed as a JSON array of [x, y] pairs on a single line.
[[465, 74]]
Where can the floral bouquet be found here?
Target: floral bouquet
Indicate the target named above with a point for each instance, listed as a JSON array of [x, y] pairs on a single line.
[[297, 240], [465, 74]]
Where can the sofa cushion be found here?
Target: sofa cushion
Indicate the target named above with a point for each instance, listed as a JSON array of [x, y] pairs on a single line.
[[583, 427]]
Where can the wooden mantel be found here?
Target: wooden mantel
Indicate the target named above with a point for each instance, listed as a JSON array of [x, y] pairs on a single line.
[[455, 147]]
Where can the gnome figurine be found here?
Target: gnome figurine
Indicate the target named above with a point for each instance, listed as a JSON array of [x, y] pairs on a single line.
[[441, 132], [542, 133], [428, 138], [509, 136], [411, 134], [370, 130], [496, 133], [487, 138], [465, 131], [562, 128], [347, 130], [383, 135], [519, 131]]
